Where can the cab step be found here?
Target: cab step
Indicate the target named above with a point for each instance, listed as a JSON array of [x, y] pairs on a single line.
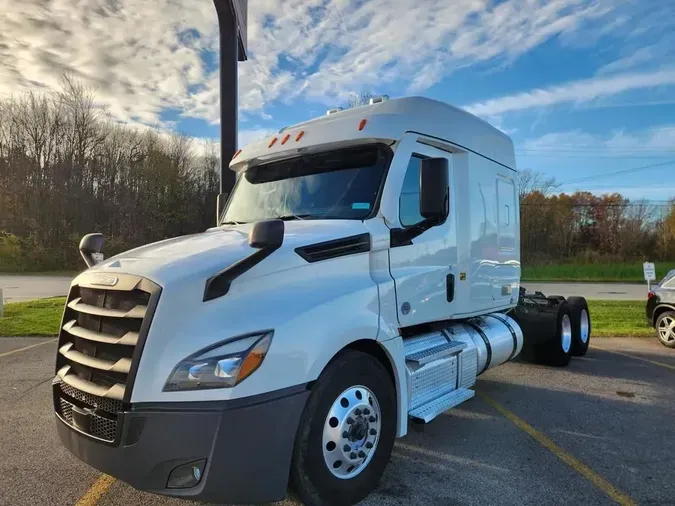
[[439, 351], [432, 409]]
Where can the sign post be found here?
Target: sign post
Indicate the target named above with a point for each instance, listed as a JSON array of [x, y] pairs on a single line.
[[232, 17], [650, 273]]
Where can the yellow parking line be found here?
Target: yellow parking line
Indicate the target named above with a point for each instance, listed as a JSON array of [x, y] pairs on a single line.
[[661, 364], [96, 491], [8, 353], [568, 459]]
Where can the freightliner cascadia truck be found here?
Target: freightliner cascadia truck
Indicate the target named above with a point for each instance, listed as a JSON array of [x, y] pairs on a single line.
[[363, 273]]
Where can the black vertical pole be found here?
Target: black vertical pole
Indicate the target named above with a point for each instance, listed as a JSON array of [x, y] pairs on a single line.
[[229, 57]]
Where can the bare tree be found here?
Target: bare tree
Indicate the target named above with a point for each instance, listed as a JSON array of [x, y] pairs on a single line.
[[530, 182]]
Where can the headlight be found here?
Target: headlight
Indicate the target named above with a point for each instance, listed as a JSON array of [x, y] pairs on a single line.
[[215, 367]]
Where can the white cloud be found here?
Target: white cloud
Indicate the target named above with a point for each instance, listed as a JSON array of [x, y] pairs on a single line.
[[653, 141], [636, 57], [575, 92], [146, 56]]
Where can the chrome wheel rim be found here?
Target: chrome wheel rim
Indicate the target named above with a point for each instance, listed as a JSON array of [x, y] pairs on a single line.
[[351, 432], [584, 326], [667, 329], [566, 333]]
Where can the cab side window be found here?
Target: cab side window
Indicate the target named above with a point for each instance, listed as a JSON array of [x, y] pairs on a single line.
[[409, 201]]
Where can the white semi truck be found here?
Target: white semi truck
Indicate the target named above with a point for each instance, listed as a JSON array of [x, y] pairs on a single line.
[[364, 271]]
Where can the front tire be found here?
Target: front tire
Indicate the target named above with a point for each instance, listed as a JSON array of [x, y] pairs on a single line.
[[346, 433], [665, 329], [581, 325]]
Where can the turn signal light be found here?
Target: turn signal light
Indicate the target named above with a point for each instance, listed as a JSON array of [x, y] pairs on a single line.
[[362, 124], [650, 295]]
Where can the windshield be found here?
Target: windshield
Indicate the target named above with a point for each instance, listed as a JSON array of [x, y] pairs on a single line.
[[669, 280], [341, 184]]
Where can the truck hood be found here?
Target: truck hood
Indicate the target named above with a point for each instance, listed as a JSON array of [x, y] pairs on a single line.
[[209, 252]]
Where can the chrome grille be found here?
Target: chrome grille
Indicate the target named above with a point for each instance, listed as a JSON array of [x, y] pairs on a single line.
[[99, 427], [108, 405], [101, 336], [67, 410]]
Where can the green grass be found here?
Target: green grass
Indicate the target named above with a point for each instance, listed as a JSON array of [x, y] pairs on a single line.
[[592, 272], [42, 318], [619, 318], [70, 274], [33, 318]]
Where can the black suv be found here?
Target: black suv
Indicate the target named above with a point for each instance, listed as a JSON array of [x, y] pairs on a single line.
[[661, 310]]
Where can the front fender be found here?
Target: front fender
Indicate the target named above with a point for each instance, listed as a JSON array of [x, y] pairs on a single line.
[[315, 311]]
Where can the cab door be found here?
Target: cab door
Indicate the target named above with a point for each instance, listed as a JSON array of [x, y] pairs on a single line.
[[424, 268]]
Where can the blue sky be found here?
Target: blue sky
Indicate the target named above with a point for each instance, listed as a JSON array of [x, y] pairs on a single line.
[[584, 87]]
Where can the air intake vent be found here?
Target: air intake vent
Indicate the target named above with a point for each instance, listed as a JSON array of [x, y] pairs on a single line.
[[336, 248], [100, 343]]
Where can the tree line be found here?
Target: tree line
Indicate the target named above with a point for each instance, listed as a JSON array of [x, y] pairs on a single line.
[[585, 228], [67, 169]]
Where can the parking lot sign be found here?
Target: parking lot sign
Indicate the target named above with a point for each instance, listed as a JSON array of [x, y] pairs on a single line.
[[650, 273]]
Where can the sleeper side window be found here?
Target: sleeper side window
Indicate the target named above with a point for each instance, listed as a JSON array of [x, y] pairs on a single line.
[[409, 201]]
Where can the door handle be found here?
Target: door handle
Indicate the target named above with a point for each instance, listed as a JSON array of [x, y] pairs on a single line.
[[450, 287]]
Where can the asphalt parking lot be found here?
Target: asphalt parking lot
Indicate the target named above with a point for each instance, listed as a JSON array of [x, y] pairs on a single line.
[[601, 431]]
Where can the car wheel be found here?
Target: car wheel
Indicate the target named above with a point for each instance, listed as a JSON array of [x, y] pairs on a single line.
[[665, 328], [581, 325], [346, 432]]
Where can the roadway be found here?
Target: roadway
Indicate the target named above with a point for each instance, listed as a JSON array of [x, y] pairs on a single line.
[[21, 288], [18, 288], [598, 432]]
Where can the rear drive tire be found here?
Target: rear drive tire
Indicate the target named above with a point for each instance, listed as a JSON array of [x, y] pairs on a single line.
[[557, 351], [346, 433], [664, 331], [581, 325]]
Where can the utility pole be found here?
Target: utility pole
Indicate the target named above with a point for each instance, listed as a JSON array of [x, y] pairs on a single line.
[[232, 27]]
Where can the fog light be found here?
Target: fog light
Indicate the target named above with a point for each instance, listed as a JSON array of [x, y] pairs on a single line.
[[187, 475]]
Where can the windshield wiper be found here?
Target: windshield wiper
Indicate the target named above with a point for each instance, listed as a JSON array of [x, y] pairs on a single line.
[[291, 217], [232, 222]]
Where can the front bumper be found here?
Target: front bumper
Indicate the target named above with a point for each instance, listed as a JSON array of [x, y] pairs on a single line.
[[247, 445]]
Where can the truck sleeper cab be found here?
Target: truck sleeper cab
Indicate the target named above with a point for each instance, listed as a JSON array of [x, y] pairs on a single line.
[[364, 272]]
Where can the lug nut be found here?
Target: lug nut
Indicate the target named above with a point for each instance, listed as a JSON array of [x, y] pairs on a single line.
[[369, 445], [366, 411], [373, 432], [357, 411], [352, 455], [371, 419], [350, 420], [347, 448], [345, 434], [362, 454]]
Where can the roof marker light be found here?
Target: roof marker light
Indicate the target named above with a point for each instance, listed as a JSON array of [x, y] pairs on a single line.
[[299, 136], [378, 100], [285, 139], [236, 154], [272, 142], [362, 124]]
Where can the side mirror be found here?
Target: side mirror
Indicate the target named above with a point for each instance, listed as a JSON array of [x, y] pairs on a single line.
[[434, 191], [220, 205], [267, 234], [91, 249]]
